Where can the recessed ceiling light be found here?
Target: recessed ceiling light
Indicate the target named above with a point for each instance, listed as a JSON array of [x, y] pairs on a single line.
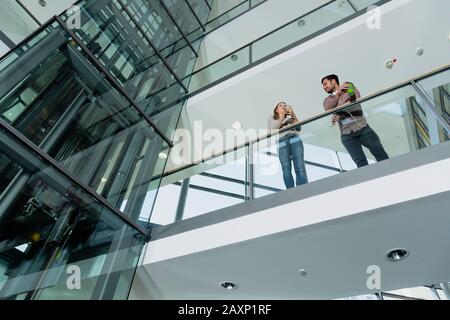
[[228, 285], [234, 57], [303, 272], [397, 254], [237, 125]]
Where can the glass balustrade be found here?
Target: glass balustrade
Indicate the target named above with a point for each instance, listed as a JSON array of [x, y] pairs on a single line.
[[400, 117], [55, 237], [218, 183], [438, 89], [293, 33]]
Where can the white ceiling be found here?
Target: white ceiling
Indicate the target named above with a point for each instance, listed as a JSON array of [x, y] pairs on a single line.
[[351, 50]]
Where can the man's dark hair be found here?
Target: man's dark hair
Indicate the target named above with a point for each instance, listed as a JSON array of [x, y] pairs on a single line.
[[330, 78]]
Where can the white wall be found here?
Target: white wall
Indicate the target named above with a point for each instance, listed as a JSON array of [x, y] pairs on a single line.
[[351, 50]]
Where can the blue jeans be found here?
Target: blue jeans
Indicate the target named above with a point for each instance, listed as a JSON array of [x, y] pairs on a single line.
[[368, 138], [290, 148]]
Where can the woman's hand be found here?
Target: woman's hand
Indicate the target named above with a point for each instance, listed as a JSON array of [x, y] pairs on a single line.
[[335, 118]]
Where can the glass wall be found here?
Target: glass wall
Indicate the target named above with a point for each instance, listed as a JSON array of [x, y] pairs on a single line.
[[64, 105], [15, 22], [305, 27], [86, 117], [56, 240]]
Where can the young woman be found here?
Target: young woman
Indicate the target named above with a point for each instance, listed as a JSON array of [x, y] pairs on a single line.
[[290, 146]]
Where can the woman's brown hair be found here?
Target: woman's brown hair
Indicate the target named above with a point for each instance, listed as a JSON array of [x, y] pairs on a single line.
[[275, 114]]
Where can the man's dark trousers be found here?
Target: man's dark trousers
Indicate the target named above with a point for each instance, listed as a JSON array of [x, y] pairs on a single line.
[[368, 138]]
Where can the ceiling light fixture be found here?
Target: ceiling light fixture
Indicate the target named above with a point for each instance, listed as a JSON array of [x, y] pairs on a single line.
[[237, 125], [397, 254]]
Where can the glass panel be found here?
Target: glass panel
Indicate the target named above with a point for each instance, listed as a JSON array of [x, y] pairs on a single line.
[[222, 7], [415, 293], [155, 22], [59, 101], [15, 23], [124, 51], [438, 88], [227, 15], [300, 29], [57, 242], [308, 25], [183, 15], [220, 183], [363, 4], [391, 124], [201, 9], [220, 69]]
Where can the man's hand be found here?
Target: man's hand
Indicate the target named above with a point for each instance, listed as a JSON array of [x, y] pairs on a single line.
[[344, 87]]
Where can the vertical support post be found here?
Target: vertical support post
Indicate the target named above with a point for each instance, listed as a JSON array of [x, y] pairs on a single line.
[[182, 199], [249, 173]]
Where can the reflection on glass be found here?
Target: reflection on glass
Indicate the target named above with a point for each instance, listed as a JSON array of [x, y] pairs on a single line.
[[362, 4], [391, 116], [300, 29], [309, 25], [50, 230], [217, 19], [438, 89], [57, 99]]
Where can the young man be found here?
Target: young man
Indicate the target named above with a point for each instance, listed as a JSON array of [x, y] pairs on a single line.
[[355, 132]]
